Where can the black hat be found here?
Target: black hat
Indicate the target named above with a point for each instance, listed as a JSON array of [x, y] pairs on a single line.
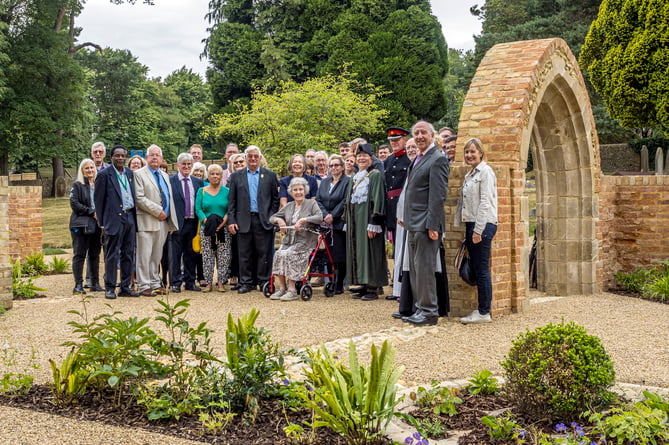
[[365, 148], [396, 132]]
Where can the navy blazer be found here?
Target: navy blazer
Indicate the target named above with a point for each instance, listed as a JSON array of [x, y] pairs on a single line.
[[178, 196], [333, 203], [109, 201], [239, 202]]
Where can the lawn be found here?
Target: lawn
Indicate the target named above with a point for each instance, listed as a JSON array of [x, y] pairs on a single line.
[[55, 223]]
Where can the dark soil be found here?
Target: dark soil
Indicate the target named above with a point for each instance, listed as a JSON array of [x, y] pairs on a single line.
[[267, 429], [626, 293]]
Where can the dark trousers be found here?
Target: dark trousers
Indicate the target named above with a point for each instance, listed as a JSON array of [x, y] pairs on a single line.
[[120, 247], [86, 245], [480, 261], [255, 247], [181, 245]]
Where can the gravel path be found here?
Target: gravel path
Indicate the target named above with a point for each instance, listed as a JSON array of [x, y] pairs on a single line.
[[633, 331]]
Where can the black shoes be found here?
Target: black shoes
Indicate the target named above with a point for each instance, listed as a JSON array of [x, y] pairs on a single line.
[[78, 289], [370, 296], [358, 289], [236, 286], [192, 288], [110, 294], [400, 316], [245, 288], [421, 320], [128, 293], [175, 289], [96, 288]]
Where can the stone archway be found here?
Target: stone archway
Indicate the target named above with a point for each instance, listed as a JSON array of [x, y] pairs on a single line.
[[530, 95]]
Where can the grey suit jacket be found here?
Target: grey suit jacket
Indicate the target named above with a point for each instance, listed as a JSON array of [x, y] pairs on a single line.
[[147, 201], [302, 240], [427, 185]]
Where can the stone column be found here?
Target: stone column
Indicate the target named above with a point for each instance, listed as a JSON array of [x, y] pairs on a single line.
[[659, 161], [5, 266]]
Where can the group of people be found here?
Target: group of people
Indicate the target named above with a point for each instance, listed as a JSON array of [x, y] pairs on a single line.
[[146, 220]]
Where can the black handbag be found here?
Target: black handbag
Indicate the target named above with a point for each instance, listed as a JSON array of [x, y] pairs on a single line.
[[463, 265]]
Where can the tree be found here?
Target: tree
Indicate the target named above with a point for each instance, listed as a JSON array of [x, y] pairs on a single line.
[[626, 54], [41, 116], [195, 106], [318, 113], [397, 45], [461, 69]]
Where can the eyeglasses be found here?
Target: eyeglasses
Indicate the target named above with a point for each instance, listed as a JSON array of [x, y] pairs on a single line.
[[238, 162], [252, 156], [335, 165], [98, 152]]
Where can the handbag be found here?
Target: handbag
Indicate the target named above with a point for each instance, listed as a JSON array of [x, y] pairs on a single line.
[[197, 241], [463, 265]]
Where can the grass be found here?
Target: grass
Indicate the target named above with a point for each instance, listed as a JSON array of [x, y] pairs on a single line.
[[55, 223]]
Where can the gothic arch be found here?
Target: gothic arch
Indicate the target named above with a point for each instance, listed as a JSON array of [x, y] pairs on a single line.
[[530, 95]]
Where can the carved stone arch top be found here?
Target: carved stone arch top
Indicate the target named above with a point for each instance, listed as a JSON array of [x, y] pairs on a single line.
[[530, 97]]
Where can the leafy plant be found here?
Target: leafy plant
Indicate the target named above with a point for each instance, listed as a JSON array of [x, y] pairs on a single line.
[[503, 427], [23, 287], [356, 402], [13, 382], [426, 427], [34, 264], [254, 363], [657, 289], [440, 399], [557, 371], [217, 420], [69, 380], [483, 383], [636, 280], [644, 422], [59, 265]]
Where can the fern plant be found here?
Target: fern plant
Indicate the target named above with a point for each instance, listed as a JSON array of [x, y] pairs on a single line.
[[356, 402]]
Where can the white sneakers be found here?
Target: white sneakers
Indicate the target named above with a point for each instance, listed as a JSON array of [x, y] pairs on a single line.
[[476, 317], [289, 296], [278, 294]]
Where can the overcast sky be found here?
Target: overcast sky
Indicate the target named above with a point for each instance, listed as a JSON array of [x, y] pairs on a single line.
[[169, 35]]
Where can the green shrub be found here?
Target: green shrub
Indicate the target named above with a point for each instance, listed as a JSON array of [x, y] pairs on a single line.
[[635, 281], [59, 265], [557, 371], [657, 289], [439, 399], [34, 264], [357, 402], [503, 427], [483, 383], [12, 380], [23, 287], [645, 422]]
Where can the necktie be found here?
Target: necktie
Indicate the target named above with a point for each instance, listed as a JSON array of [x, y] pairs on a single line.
[[189, 211], [418, 158], [163, 195]]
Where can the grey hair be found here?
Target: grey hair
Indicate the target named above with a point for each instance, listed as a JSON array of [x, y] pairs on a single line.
[[429, 125], [200, 165], [80, 173], [99, 144], [154, 146], [253, 148], [183, 157], [298, 181], [321, 152]]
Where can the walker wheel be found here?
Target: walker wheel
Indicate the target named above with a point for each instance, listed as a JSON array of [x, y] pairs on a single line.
[[306, 292], [329, 289], [298, 286], [267, 289]]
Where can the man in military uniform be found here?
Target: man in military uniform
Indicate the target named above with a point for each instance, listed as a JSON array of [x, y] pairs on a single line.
[[396, 167]]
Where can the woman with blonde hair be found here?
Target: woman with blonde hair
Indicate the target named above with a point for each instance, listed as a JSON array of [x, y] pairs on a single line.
[[477, 209], [86, 234]]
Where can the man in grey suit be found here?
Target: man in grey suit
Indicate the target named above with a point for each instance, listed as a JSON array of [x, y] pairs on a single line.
[[156, 218], [427, 184]]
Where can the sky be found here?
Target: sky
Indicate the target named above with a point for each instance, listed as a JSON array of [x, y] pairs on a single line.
[[168, 35]]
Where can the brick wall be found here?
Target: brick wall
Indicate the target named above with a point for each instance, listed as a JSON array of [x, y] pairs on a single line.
[[25, 220], [633, 224]]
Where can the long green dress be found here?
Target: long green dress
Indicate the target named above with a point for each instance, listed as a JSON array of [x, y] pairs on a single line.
[[366, 258]]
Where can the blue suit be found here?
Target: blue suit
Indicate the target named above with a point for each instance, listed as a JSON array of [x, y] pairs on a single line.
[[181, 240], [119, 225]]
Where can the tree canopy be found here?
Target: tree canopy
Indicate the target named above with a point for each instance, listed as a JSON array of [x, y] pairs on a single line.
[[318, 113], [626, 54], [394, 44]]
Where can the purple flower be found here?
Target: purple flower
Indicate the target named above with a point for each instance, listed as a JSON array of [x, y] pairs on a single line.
[[408, 441], [521, 433], [286, 382], [560, 427], [574, 424]]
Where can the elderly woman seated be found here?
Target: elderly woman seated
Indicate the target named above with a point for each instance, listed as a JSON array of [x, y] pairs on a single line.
[[292, 258]]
